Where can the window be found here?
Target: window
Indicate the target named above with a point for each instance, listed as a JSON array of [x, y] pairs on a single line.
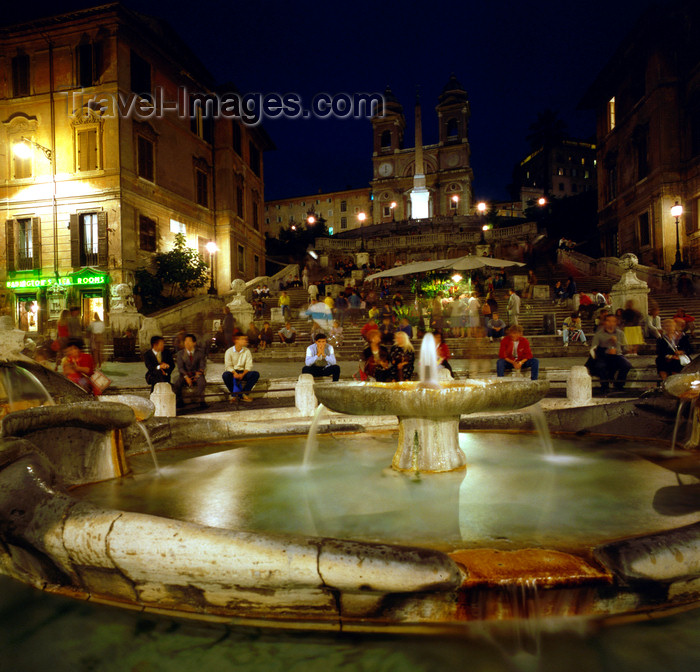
[[141, 76], [387, 211], [145, 152], [177, 227], [237, 140], [303, 204], [560, 171], [611, 114], [641, 145], [329, 200], [453, 204], [254, 158], [561, 186], [87, 150], [586, 175], [386, 140], [330, 212], [22, 166], [574, 188], [23, 241], [88, 58], [88, 237], [147, 234], [256, 208], [202, 185], [343, 222], [612, 183], [256, 266], [201, 121], [574, 172], [343, 206], [279, 219], [239, 202], [644, 230], [241, 259], [267, 220], [20, 76]]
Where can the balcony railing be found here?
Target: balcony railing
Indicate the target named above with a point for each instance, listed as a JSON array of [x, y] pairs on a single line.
[[25, 263]]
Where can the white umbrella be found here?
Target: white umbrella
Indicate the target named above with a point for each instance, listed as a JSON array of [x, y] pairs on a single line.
[[470, 262], [409, 269]]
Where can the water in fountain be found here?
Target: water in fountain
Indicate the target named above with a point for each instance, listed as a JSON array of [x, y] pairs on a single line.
[[144, 431], [541, 427], [681, 405], [21, 389], [312, 437], [428, 369]]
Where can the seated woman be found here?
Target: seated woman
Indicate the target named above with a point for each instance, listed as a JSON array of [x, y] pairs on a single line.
[[253, 335], [376, 358], [78, 366], [443, 352], [688, 319], [669, 356], [266, 336], [402, 357]]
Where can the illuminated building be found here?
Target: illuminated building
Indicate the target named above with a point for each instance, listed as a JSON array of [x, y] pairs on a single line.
[[98, 174]]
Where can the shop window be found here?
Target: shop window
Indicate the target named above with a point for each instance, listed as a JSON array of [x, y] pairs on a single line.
[[20, 76], [146, 158], [88, 237], [23, 241], [148, 233]]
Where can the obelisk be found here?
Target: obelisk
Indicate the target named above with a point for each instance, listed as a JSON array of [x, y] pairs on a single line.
[[420, 196]]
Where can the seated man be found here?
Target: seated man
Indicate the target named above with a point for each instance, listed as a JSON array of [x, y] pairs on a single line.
[[238, 375], [515, 353], [496, 327], [77, 365], [572, 330], [320, 359], [191, 364], [159, 362], [287, 334], [606, 360]]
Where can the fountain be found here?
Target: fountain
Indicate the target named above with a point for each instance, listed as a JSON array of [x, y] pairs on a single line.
[[429, 411], [236, 528]]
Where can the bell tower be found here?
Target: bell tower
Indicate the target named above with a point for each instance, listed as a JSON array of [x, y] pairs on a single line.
[[453, 113], [388, 128]]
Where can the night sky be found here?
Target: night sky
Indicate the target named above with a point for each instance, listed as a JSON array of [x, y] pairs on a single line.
[[513, 60]]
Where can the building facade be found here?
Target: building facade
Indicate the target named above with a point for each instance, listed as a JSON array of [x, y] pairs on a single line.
[[647, 103], [448, 172], [98, 175], [340, 210]]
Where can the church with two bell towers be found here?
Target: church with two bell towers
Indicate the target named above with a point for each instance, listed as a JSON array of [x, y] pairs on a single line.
[[422, 182]]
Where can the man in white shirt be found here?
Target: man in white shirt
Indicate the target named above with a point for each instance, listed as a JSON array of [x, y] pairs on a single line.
[[513, 307], [238, 375], [320, 359]]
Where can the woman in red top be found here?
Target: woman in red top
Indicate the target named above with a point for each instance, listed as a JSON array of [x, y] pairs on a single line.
[[443, 352], [688, 319], [78, 366]]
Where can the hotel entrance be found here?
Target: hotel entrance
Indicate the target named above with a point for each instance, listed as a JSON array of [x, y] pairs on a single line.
[[92, 302], [27, 312]]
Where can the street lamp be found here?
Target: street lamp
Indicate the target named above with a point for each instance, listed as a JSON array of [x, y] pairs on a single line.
[[677, 211], [481, 207], [211, 248], [310, 220], [541, 201], [393, 208], [455, 200], [361, 216]]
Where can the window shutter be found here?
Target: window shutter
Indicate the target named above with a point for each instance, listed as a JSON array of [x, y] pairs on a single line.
[[92, 149], [82, 150], [36, 242], [75, 240], [102, 239], [10, 242]]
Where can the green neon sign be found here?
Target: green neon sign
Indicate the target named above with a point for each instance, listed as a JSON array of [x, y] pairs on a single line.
[[87, 278]]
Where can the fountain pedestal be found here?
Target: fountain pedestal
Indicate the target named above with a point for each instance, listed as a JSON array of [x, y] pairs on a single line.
[[429, 446]]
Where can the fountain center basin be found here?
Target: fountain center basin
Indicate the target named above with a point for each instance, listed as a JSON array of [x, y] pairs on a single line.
[[429, 415]]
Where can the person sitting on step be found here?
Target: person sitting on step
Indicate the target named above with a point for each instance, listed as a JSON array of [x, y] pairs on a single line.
[[515, 353], [239, 376]]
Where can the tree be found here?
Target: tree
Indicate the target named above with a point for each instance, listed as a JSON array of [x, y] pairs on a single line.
[[182, 268]]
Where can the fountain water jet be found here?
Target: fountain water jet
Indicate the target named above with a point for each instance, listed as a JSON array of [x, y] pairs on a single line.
[[429, 411]]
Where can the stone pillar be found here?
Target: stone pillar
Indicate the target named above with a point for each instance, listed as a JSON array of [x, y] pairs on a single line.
[[304, 396], [361, 258], [579, 386], [241, 310], [163, 399], [630, 287], [149, 327]]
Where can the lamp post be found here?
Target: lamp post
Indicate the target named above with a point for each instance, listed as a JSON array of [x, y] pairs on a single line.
[[677, 212], [211, 248], [393, 211], [361, 216], [455, 207]]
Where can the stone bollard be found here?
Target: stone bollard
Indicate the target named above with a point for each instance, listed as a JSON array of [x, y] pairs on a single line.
[[579, 386], [304, 397], [163, 399]]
